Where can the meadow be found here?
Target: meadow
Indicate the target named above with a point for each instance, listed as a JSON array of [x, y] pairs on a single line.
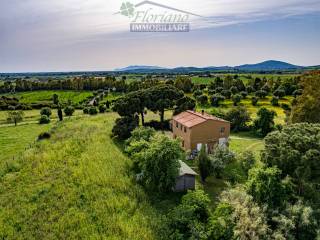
[[46, 96], [75, 186]]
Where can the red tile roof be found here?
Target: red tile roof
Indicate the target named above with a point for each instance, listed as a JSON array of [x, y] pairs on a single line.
[[191, 118]]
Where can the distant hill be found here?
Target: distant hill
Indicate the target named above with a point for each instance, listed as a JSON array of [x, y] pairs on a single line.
[[138, 67], [270, 65]]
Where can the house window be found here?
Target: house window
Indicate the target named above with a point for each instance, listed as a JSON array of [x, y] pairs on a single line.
[[182, 143], [222, 129], [181, 127], [185, 129], [177, 124]]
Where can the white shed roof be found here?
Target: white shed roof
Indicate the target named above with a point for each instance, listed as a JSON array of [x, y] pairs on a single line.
[[185, 169]]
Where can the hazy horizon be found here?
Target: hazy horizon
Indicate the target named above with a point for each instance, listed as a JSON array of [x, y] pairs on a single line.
[[79, 35]]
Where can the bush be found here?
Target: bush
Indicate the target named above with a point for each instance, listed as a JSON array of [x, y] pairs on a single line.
[[244, 94], [216, 99], [202, 99], [46, 111], [254, 101], [197, 93], [239, 118], [236, 99], [93, 111], [261, 94], [86, 110], [157, 125], [44, 119], [124, 126], [102, 108], [69, 110], [44, 135], [275, 101]]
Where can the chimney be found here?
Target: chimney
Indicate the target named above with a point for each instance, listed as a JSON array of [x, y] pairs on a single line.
[[202, 112]]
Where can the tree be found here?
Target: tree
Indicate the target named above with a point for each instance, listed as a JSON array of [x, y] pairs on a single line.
[[183, 104], [298, 221], [55, 99], [221, 222], [216, 99], [15, 117], [261, 94], [307, 108], [161, 98], [202, 99], [93, 111], [254, 101], [184, 83], [279, 92], [236, 99], [219, 159], [46, 111], [190, 218], [159, 163], [204, 164], [275, 101], [124, 126], [102, 108], [68, 111], [239, 117], [295, 150], [44, 119], [250, 222], [265, 121], [226, 94], [60, 115], [197, 93], [234, 90], [267, 187], [247, 161], [244, 94]]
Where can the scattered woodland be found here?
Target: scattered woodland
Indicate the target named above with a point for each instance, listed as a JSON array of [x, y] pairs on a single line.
[[92, 157]]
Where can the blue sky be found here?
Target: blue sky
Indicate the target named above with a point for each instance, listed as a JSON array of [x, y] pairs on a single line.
[[76, 35]]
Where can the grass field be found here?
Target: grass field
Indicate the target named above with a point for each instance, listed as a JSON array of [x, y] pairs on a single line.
[[226, 105], [46, 96], [14, 140], [74, 186], [32, 116]]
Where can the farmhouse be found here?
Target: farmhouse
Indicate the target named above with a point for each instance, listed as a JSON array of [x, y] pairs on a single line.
[[196, 129], [186, 180]]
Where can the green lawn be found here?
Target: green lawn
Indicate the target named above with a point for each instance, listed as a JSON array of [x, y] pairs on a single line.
[[74, 186], [32, 116], [14, 140], [46, 96]]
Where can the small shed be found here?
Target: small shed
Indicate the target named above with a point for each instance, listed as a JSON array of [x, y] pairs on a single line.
[[186, 180]]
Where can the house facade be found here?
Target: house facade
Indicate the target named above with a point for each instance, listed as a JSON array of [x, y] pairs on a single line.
[[196, 129]]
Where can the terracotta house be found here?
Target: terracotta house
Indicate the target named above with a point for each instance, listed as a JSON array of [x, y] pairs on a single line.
[[196, 129]]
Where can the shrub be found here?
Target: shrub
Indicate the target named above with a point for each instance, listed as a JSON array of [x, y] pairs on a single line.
[[44, 135], [86, 110], [216, 99], [46, 111], [244, 94], [69, 110], [102, 108], [261, 94], [44, 119], [254, 101], [275, 101], [93, 111], [239, 117], [197, 93], [234, 90], [124, 126], [202, 99], [236, 99]]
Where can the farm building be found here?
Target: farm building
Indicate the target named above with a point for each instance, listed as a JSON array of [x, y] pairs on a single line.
[[186, 180], [196, 129]]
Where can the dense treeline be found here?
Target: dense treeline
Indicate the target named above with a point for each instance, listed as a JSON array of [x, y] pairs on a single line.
[[77, 83]]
